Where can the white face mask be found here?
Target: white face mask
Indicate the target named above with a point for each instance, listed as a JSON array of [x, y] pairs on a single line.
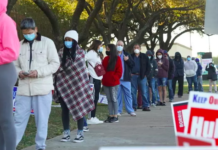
[[159, 56], [137, 51]]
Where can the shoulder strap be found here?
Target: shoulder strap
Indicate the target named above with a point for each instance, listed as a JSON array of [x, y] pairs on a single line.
[[90, 64]]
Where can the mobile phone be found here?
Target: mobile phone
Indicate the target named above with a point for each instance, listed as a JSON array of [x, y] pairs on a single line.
[[26, 73]]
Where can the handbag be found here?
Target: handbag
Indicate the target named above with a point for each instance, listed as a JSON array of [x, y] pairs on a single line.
[[99, 69]]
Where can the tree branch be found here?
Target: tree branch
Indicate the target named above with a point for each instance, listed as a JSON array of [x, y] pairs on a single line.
[[10, 6], [76, 16], [93, 14]]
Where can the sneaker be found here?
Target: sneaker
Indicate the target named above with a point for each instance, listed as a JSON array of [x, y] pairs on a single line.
[[94, 121], [158, 103], [97, 120], [78, 139], [153, 105], [133, 114], [119, 114], [139, 107], [170, 100], [66, 137], [114, 119], [146, 109], [163, 104], [85, 129], [108, 120]]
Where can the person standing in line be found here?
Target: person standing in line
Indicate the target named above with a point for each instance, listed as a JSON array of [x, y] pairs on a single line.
[[125, 81], [212, 77], [190, 68], [111, 80], [140, 72], [163, 68], [37, 62], [170, 76], [178, 74], [9, 52], [93, 58], [199, 76], [152, 78], [72, 88]]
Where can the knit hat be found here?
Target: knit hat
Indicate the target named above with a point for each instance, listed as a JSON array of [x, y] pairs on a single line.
[[197, 60], [72, 34]]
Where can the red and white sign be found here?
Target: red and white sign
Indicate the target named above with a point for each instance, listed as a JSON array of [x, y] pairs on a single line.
[[203, 116], [188, 140], [178, 109]]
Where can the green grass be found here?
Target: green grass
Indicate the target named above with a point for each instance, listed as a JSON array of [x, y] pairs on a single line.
[[55, 123], [55, 126]]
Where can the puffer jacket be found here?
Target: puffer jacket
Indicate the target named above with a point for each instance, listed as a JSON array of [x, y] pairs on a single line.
[[154, 68], [45, 61], [211, 72]]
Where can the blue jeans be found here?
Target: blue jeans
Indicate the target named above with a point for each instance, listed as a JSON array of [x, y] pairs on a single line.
[[85, 122], [124, 90], [152, 83], [135, 81], [156, 89], [190, 81], [200, 84], [170, 89]]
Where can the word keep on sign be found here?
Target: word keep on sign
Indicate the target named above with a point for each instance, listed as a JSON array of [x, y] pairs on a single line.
[[203, 118]]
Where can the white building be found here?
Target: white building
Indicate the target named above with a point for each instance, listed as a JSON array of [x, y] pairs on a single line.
[[184, 50]]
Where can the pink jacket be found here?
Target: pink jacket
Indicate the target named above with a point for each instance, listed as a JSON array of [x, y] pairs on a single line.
[[9, 42]]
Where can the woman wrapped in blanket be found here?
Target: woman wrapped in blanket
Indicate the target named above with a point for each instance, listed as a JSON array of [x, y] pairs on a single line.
[[72, 89]]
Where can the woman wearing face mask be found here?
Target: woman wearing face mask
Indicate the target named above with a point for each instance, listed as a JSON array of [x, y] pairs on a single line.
[[111, 80], [163, 67], [212, 77], [9, 52], [93, 58], [72, 89]]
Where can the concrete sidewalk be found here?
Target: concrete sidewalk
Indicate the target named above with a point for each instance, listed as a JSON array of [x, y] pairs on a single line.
[[153, 128]]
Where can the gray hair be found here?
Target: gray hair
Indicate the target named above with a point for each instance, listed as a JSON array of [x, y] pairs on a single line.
[[28, 23]]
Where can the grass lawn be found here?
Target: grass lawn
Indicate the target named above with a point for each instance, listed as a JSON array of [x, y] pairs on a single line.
[[55, 126], [55, 123]]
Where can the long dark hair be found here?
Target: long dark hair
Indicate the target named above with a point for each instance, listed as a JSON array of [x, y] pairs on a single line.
[[113, 57], [70, 53], [95, 45]]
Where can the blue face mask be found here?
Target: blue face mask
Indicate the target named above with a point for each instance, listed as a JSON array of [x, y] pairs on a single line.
[[119, 48], [30, 37], [68, 44], [100, 50], [149, 57], [188, 58]]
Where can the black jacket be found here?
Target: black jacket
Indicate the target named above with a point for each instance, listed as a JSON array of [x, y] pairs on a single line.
[[211, 72], [179, 65], [153, 63], [128, 65], [145, 66], [171, 68]]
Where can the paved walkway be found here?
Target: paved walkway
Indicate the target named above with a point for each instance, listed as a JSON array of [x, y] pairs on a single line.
[[153, 128]]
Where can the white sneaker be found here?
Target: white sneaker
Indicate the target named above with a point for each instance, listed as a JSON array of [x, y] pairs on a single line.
[[66, 137], [153, 104], [133, 114], [119, 114], [98, 121], [94, 121], [85, 129]]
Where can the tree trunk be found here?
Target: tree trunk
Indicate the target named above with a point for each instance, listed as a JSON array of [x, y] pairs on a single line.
[[10, 6]]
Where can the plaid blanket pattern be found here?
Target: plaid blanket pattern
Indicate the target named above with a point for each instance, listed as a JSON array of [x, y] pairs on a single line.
[[72, 85]]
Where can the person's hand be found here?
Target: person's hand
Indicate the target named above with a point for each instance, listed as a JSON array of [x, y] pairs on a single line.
[[126, 58], [159, 63], [21, 75], [33, 74]]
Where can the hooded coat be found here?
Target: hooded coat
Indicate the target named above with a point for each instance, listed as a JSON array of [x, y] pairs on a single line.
[[211, 72], [164, 68], [179, 65], [171, 67], [154, 68], [9, 42]]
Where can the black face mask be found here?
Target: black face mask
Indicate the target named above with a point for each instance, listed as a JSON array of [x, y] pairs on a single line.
[[108, 53]]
